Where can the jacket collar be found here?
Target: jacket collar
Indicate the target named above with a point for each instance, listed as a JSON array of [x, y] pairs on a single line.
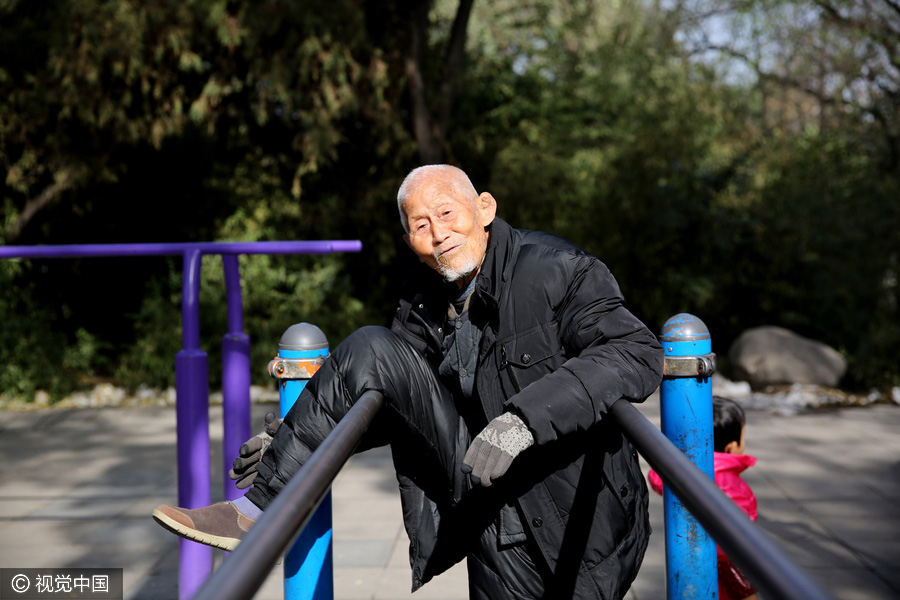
[[498, 262]]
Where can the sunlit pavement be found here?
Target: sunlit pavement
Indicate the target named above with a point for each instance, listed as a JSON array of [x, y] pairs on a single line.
[[77, 487]]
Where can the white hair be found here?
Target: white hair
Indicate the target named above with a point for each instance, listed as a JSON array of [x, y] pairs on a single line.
[[458, 182]]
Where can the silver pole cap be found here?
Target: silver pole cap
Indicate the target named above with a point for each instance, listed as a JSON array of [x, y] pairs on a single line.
[[684, 327], [303, 337]]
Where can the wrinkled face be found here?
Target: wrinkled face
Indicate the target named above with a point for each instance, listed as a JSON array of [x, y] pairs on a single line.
[[447, 229]]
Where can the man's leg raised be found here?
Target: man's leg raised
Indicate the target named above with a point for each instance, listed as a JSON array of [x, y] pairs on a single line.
[[417, 406]]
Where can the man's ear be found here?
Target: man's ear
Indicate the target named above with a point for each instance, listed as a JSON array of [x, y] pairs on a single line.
[[731, 447], [487, 206]]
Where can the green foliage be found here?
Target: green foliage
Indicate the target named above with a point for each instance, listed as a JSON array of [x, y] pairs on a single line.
[[157, 330], [607, 136], [610, 147], [207, 120], [34, 355], [99, 77], [819, 250], [276, 293]]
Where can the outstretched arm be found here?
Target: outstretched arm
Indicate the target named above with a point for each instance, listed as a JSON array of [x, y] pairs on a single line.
[[613, 356]]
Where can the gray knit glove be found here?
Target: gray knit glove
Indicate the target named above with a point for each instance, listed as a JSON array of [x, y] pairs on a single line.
[[244, 466], [494, 449]]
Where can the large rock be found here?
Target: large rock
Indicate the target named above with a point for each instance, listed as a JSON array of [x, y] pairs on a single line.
[[769, 355]]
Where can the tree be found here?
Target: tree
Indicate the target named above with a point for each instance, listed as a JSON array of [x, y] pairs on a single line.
[[825, 172], [601, 125], [699, 182], [818, 62], [431, 113], [205, 118], [607, 140], [99, 78], [273, 121]]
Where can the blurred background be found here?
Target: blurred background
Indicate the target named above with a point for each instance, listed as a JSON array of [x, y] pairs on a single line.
[[736, 160]]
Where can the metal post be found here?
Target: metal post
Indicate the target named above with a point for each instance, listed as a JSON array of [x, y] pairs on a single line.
[[308, 565], [192, 366], [235, 376], [293, 507], [686, 420], [192, 427]]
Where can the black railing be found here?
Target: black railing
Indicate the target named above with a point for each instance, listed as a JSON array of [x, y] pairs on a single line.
[[289, 512], [767, 566], [762, 560]]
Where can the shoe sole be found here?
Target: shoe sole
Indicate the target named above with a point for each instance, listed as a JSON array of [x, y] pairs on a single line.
[[216, 541]]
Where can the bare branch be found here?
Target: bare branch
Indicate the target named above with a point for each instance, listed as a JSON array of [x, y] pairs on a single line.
[[774, 77], [894, 6], [886, 40], [719, 10], [32, 206]]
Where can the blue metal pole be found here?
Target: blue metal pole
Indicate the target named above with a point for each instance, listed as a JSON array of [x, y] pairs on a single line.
[[687, 420], [192, 427], [308, 565]]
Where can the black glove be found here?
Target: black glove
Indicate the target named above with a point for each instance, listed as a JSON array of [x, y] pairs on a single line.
[[244, 466], [493, 450]]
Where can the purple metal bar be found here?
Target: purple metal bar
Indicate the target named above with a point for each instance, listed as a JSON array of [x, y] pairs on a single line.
[[192, 366], [72, 251], [235, 376], [192, 414], [190, 300]]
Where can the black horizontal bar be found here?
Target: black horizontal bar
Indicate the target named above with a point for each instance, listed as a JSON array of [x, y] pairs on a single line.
[[767, 566], [762, 560], [247, 567]]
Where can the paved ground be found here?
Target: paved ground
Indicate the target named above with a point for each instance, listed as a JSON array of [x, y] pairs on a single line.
[[77, 487]]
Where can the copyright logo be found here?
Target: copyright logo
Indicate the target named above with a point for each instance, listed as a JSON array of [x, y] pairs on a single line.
[[20, 584]]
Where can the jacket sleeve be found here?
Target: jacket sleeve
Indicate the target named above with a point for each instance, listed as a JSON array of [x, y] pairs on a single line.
[[612, 355]]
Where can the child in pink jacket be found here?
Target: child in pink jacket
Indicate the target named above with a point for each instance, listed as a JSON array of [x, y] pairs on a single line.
[[730, 461]]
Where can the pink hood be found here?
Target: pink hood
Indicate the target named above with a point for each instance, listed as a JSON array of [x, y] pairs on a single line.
[[728, 468], [728, 477]]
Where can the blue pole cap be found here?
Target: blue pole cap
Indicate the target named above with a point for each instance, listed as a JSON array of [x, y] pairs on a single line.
[[303, 337], [684, 328]]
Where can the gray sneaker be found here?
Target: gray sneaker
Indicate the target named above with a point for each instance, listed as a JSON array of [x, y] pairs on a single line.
[[220, 525]]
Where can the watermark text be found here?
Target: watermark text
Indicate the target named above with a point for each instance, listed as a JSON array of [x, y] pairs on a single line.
[[59, 584]]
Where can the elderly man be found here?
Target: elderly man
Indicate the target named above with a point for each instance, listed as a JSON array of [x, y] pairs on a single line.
[[505, 354]]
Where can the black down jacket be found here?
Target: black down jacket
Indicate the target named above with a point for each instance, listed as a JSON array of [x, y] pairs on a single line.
[[558, 348]]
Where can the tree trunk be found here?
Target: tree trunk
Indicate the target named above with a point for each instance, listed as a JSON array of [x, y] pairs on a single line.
[[431, 116]]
